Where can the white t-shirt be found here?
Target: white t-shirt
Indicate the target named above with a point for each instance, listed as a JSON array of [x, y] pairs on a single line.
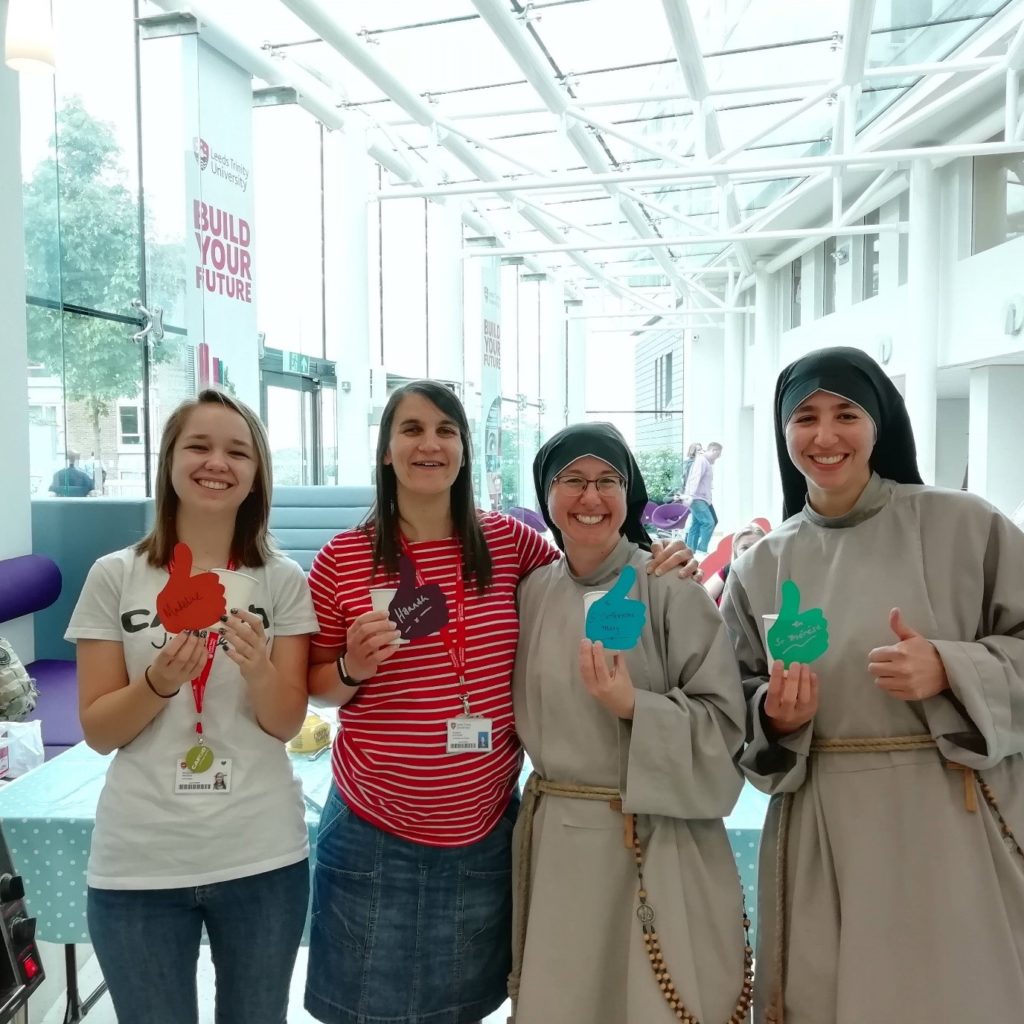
[[146, 837]]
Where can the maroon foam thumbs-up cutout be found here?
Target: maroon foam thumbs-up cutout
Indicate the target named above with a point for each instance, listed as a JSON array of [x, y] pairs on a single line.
[[187, 601], [416, 611]]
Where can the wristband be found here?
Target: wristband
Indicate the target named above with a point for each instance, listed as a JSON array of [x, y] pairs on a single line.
[[149, 683], [344, 676]]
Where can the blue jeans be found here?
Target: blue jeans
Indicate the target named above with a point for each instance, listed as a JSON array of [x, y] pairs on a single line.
[[702, 525], [147, 944], [403, 933]]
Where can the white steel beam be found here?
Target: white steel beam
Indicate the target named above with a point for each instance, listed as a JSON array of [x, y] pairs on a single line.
[[855, 40], [513, 37], [774, 235], [709, 135], [942, 68], [753, 171], [875, 195], [355, 51]]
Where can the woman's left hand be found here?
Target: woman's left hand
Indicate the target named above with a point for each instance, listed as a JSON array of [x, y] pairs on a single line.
[[247, 644], [612, 687], [910, 669], [675, 554]]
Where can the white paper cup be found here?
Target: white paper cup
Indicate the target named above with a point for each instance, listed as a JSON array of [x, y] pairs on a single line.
[[588, 599], [238, 589], [767, 622], [380, 598]]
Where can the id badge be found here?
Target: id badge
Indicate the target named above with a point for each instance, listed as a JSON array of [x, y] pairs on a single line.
[[215, 780], [469, 734]]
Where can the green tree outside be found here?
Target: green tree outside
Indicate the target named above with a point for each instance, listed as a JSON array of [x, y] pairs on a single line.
[[661, 469], [82, 247]]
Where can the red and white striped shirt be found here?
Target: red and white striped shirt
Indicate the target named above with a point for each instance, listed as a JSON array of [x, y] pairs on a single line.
[[390, 759]]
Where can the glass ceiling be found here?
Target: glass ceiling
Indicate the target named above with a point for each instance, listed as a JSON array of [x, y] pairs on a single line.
[[764, 62]]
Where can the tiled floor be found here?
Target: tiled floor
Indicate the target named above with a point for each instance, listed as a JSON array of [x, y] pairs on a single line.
[[103, 1012]]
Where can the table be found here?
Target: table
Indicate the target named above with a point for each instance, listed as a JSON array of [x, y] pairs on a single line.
[[48, 817]]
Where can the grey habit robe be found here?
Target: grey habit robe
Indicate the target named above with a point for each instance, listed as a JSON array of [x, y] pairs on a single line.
[[675, 766], [902, 906]]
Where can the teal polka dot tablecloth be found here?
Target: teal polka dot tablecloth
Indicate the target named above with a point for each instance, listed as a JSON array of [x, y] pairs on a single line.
[[48, 818]]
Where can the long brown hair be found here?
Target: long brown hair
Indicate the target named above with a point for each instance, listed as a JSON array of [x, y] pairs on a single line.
[[251, 544], [382, 519]]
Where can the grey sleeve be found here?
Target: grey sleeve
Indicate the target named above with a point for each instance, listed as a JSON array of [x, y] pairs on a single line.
[[981, 720], [677, 757], [772, 764]]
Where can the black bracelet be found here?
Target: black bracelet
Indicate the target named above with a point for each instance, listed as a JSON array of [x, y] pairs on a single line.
[[149, 683], [343, 673]]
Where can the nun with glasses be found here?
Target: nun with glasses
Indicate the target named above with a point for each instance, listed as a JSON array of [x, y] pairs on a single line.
[[627, 904], [887, 722]]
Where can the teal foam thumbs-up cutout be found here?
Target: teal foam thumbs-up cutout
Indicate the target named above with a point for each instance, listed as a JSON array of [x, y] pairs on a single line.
[[800, 636], [615, 619]]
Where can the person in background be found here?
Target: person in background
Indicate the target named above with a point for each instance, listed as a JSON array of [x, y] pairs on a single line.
[[891, 880], [691, 454], [742, 540], [168, 857], [71, 482], [698, 491], [412, 900], [643, 746]]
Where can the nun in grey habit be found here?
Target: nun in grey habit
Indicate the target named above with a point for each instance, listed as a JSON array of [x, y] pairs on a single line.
[[635, 767], [891, 883]]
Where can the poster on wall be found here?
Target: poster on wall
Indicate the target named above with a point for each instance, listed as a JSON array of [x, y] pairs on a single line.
[[490, 384], [220, 292]]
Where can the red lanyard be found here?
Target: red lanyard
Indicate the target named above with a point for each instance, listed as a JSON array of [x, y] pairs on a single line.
[[199, 683], [454, 645]]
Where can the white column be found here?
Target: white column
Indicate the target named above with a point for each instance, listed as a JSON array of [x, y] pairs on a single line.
[[923, 304], [996, 471], [735, 461], [444, 292], [552, 358], [576, 355], [15, 509], [766, 348], [346, 314]]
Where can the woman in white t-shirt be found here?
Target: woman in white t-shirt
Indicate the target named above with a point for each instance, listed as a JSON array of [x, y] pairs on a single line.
[[223, 845]]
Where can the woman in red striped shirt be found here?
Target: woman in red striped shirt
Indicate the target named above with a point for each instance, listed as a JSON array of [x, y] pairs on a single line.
[[411, 911]]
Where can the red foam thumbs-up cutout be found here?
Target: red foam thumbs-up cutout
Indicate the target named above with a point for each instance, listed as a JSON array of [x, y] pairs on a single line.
[[187, 601]]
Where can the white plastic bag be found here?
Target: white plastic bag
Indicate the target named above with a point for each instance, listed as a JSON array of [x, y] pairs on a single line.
[[24, 747]]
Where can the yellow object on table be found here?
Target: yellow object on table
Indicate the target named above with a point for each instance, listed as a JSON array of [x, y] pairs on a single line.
[[314, 735]]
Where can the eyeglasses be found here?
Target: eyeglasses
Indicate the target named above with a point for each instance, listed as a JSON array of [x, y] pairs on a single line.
[[576, 485]]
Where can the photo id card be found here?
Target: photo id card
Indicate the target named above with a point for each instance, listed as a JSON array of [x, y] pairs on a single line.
[[215, 780], [469, 734]]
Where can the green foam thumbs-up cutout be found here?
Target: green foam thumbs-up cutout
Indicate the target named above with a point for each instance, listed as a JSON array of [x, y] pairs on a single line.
[[800, 636]]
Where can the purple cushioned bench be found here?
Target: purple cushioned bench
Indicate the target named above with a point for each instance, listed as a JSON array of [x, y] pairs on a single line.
[[28, 584]]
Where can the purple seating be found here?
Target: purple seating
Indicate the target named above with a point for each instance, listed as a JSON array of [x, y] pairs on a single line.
[[28, 584], [670, 516], [645, 516], [526, 515]]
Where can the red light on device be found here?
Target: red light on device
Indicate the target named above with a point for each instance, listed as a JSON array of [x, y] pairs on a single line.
[[29, 966]]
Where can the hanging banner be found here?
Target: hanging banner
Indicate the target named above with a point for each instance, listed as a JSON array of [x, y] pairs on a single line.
[[490, 384], [220, 296]]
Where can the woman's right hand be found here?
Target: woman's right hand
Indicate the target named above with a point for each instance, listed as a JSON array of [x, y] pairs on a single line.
[[179, 662], [792, 697], [368, 644]]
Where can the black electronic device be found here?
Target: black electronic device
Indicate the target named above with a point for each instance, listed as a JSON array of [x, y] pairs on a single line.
[[21, 969]]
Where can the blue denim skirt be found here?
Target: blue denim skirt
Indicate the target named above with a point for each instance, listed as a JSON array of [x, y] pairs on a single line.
[[403, 933]]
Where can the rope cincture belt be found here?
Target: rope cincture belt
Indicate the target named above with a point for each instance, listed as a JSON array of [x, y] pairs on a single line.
[[973, 782], [535, 787]]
